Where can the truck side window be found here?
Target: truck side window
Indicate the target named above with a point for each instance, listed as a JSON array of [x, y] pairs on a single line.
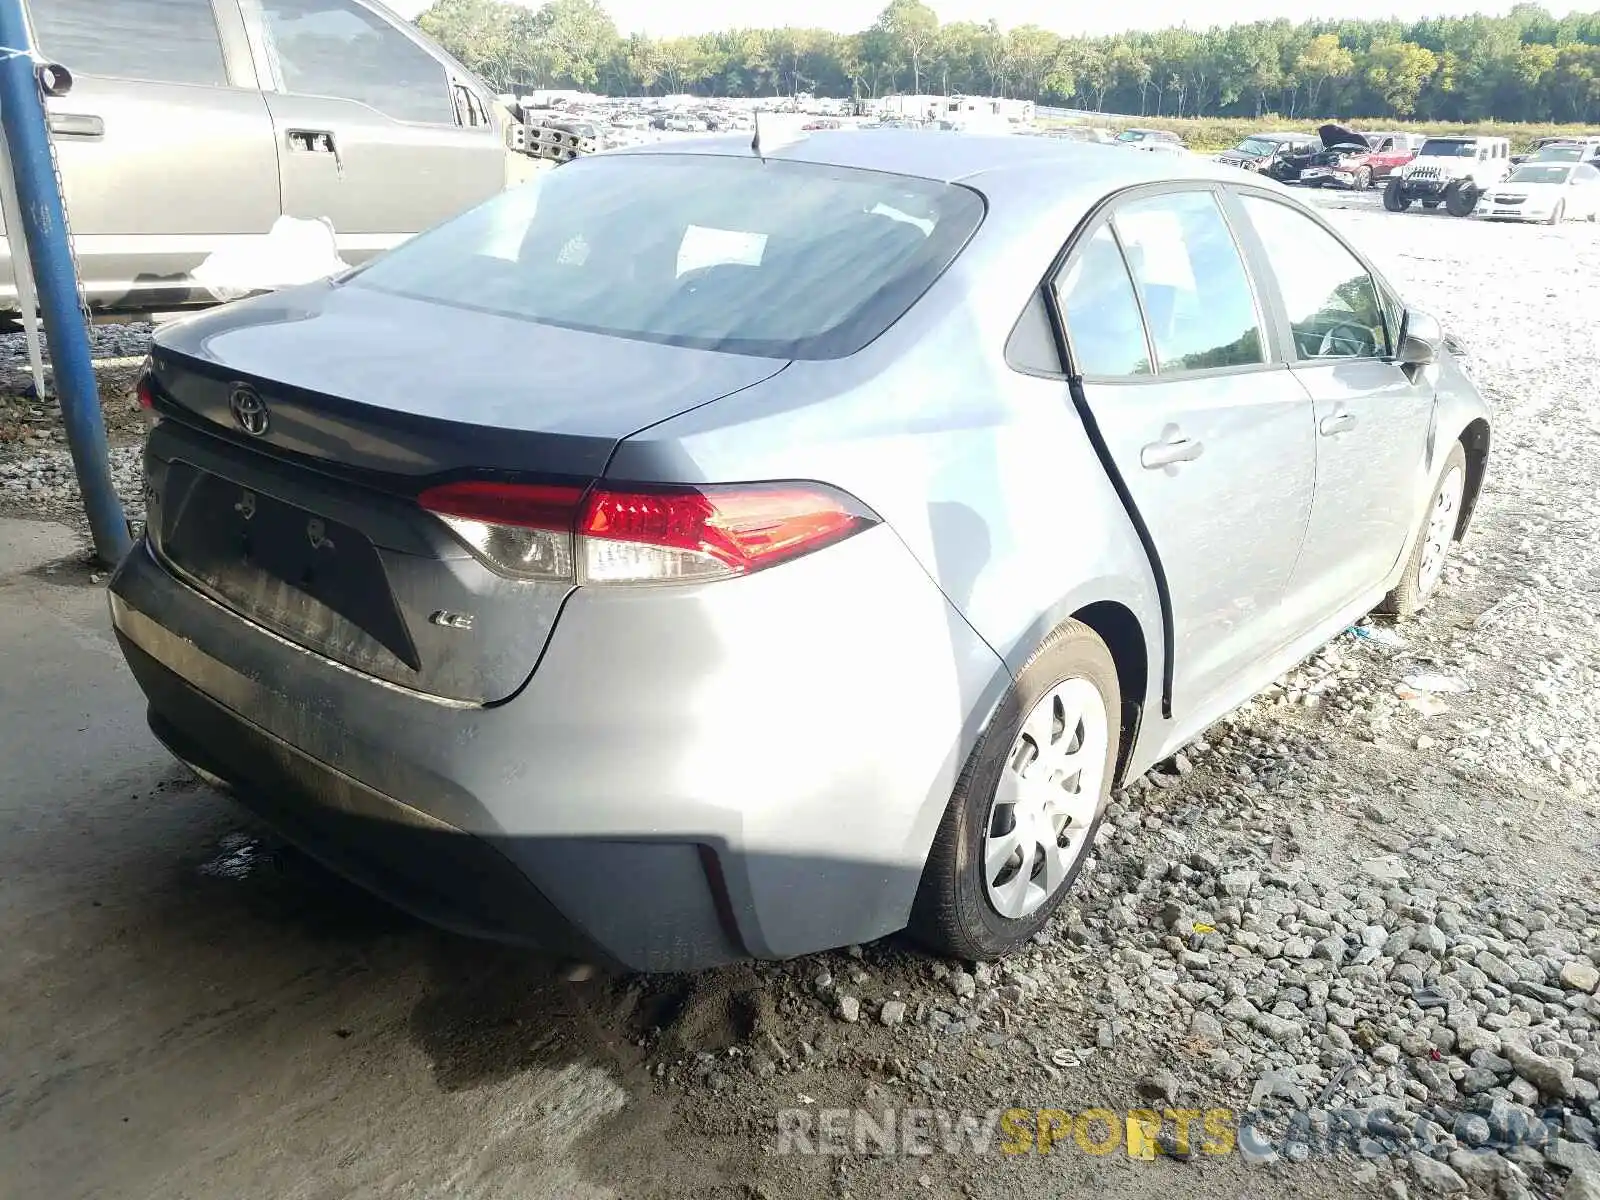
[[161, 41], [340, 49]]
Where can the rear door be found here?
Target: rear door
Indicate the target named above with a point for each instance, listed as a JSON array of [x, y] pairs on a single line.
[[165, 145], [377, 131], [1210, 434], [1374, 418]]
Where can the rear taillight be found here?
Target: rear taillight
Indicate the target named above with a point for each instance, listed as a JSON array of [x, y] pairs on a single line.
[[643, 535], [145, 391]]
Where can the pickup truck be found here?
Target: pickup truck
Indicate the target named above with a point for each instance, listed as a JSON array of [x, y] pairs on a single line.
[[1357, 160], [193, 126]]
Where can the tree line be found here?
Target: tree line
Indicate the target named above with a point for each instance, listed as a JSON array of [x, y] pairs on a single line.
[[1525, 66]]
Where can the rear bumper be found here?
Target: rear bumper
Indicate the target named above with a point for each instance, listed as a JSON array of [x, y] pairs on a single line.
[[692, 776]]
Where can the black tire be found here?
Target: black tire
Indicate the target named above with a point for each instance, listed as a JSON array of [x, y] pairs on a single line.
[[1558, 213], [1460, 199], [953, 914], [1408, 597], [1394, 197], [1363, 179]]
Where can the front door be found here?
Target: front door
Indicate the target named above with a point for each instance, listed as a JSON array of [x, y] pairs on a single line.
[[1212, 439], [375, 132], [1374, 419], [165, 144]]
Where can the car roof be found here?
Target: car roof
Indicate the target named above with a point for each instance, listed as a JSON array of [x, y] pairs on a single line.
[[1003, 161]]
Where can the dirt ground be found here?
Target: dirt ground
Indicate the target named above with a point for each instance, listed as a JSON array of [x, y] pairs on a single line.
[[194, 1009]]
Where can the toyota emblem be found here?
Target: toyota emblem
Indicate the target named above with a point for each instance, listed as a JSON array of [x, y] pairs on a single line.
[[249, 409]]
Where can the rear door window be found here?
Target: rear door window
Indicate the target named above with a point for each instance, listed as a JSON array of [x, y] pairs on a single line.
[[341, 49], [1197, 297], [777, 259], [1095, 296], [161, 41]]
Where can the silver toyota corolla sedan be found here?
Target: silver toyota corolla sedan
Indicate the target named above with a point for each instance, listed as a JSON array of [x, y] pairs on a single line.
[[698, 555]]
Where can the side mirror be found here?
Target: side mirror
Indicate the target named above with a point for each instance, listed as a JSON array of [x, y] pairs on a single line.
[[1421, 339]]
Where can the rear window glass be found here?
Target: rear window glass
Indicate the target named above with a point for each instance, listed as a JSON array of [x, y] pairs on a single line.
[[1560, 154], [776, 259]]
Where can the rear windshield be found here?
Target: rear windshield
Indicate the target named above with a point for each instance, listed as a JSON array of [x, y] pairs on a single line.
[[1551, 174], [776, 259], [1445, 148], [1560, 154]]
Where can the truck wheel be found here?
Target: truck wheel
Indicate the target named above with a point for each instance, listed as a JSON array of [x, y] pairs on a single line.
[[1363, 179], [1394, 197], [1558, 214], [1425, 567], [1025, 811], [1460, 199]]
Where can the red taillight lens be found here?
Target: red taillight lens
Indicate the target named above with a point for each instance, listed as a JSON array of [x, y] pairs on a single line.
[[145, 390], [653, 535], [687, 533]]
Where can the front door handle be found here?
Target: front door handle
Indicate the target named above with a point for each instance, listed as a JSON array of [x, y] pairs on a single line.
[[1339, 422], [1172, 449]]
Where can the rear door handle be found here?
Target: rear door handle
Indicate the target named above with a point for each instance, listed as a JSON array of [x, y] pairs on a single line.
[[1173, 448], [77, 125], [315, 141], [311, 141], [1336, 424]]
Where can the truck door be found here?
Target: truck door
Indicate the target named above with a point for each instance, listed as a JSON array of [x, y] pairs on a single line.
[[376, 129], [165, 144]]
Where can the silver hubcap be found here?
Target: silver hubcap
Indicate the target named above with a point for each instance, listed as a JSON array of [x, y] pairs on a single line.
[[1049, 790], [1440, 532]]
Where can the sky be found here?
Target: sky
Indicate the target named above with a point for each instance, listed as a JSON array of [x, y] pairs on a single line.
[[673, 18]]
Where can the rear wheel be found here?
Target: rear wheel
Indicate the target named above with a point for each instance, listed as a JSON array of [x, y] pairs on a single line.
[[1460, 199], [1029, 801], [1425, 567], [1394, 197]]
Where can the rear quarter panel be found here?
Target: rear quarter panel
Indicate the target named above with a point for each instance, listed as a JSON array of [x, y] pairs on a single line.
[[986, 474]]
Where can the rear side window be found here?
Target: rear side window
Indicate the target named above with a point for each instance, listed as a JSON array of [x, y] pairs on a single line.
[[162, 41], [338, 48], [1096, 300], [775, 259], [1197, 297], [1332, 301]]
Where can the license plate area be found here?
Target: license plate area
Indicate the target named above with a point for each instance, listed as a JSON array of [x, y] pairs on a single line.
[[319, 582]]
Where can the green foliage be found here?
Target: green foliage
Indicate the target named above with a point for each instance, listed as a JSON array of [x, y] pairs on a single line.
[[1527, 66]]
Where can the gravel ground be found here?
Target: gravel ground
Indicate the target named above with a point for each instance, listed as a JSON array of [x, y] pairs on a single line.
[[1371, 890]]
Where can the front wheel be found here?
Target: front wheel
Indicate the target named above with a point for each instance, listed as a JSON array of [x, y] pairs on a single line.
[[1028, 803], [1425, 567], [1363, 180], [1394, 197], [1460, 199]]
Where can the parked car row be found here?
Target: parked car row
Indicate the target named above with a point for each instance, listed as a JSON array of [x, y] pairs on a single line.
[[1556, 181]]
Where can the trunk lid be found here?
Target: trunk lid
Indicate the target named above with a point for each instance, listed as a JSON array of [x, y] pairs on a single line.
[[308, 525]]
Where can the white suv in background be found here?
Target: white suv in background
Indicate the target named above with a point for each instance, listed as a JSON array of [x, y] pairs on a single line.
[[1453, 171]]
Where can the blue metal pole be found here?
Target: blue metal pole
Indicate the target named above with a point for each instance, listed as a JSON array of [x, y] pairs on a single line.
[[45, 230]]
